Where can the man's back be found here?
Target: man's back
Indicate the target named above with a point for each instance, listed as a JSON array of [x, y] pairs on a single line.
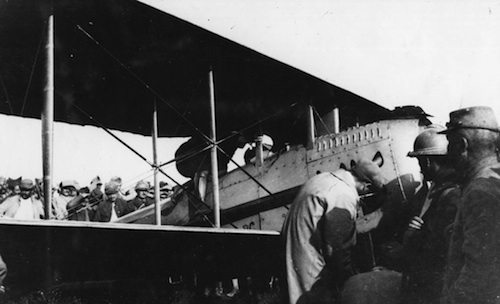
[[306, 231], [473, 271]]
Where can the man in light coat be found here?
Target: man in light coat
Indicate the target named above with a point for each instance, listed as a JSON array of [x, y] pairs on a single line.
[[320, 231], [23, 205]]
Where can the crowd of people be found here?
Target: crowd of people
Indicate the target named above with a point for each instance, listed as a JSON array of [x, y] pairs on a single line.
[[450, 244], [23, 199]]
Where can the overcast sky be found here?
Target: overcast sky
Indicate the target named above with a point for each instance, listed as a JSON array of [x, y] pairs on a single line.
[[442, 55], [81, 153]]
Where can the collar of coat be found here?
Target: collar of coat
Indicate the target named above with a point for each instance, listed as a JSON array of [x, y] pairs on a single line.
[[347, 178], [485, 168]]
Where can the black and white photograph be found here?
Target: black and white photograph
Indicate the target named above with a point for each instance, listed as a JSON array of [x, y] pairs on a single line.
[[265, 151]]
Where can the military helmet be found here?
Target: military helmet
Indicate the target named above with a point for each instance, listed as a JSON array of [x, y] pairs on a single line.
[[429, 142], [142, 185]]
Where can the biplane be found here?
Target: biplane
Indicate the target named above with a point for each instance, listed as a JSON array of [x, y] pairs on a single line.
[[122, 65]]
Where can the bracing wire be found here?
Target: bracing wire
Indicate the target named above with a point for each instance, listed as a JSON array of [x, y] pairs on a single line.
[[6, 94], [33, 69], [181, 115], [321, 120], [147, 86]]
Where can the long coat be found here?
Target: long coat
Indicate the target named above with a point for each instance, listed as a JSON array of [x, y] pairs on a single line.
[[473, 270], [320, 233]]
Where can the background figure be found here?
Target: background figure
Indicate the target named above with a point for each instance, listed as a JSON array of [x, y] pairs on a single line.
[[166, 190], [427, 237], [320, 231], [267, 146], [23, 205], [81, 208], [113, 206], [96, 185], [473, 269], [125, 195], [84, 206], [68, 190], [13, 186], [142, 199], [4, 191]]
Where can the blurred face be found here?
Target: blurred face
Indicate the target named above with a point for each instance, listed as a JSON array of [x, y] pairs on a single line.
[[424, 164], [16, 190], [68, 191], [25, 193], [430, 166], [112, 197], [457, 148], [363, 187], [141, 193], [164, 194]]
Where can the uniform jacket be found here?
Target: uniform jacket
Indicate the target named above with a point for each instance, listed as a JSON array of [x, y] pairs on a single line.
[[10, 206], [426, 249], [320, 232], [139, 203], [473, 270], [103, 213]]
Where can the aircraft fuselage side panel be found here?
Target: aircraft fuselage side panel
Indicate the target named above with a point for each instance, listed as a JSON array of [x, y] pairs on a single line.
[[386, 142], [278, 173], [261, 202]]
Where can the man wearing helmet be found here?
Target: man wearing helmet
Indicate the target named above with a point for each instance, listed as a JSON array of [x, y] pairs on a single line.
[[68, 190], [473, 266], [432, 214], [142, 199]]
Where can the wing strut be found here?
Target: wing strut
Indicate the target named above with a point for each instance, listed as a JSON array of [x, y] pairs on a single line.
[[154, 136], [48, 121], [213, 154]]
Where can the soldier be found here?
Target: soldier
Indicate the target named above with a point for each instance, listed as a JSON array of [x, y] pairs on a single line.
[[427, 237], [68, 190], [473, 267], [320, 231], [142, 199]]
